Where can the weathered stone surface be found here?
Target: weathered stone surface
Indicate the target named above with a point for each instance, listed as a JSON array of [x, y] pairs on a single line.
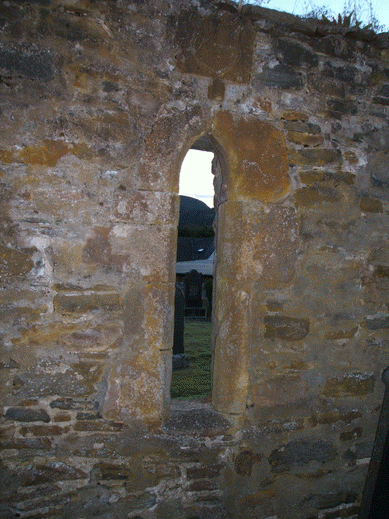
[[370, 205], [245, 460], [81, 303], [27, 415], [296, 54], [254, 172], [338, 107], [301, 452], [349, 385], [382, 96], [26, 62], [100, 103], [331, 417], [219, 47], [14, 263], [279, 390], [315, 157], [278, 76], [286, 328], [377, 168]]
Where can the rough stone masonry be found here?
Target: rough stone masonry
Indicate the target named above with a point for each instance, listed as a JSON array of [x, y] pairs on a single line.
[[99, 102]]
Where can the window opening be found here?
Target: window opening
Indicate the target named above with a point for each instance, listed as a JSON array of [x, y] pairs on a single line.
[[192, 347]]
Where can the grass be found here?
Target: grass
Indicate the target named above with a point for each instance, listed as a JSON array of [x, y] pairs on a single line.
[[196, 380]]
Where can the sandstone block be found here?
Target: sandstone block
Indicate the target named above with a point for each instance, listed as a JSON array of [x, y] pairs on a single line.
[[305, 139], [349, 385], [315, 157], [311, 196], [80, 303], [370, 205], [257, 158], [14, 263], [286, 328], [216, 46], [279, 390], [147, 208]]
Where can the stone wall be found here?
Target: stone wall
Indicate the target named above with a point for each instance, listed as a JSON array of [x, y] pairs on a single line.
[[100, 101]]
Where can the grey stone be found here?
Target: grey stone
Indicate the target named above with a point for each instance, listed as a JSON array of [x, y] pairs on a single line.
[[301, 452], [27, 62], [20, 414], [286, 328], [279, 76], [296, 54]]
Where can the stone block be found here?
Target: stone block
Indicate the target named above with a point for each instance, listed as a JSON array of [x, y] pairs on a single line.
[[347, 436], [256, 153], [278, 76], [382, 96], [295, 53], [305, 139], [338, 107], [65, 303], [26, 62], [209, 471], [245, 460], [147, 208], [349, 385], [166, 144], [275, 391], [314, 157], [152, 258], [313, 196], [286, 328], [21, 414], [101, 337], [14, 263], [105, 471], [216, 90], [78, 379], [370, 205], [138, 386], [330, 417], [300, 452], [218, 46], [377, 169], [268, 244], [43, 430]]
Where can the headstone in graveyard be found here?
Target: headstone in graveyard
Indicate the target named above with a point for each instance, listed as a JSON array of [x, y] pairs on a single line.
[[193, 289], [179, 318]]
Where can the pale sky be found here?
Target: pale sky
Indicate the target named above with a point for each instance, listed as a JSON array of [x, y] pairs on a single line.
[[299, 7], [196, 179]]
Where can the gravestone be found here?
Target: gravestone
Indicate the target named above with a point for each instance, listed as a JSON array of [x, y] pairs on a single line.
[[194, 294], [179, 317]]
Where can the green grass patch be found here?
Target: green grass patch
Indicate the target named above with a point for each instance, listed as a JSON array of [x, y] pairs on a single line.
[[196, 380]]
